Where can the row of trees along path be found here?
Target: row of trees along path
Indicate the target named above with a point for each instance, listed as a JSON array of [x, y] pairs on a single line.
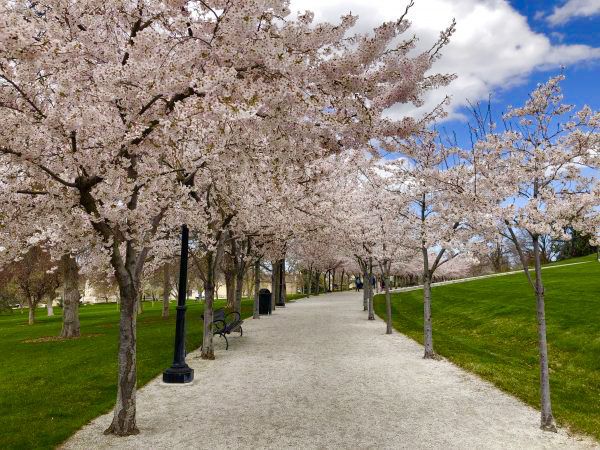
[[265, 133], [123, 120]]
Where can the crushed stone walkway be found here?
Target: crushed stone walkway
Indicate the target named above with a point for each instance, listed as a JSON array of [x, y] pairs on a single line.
[[318, 375]]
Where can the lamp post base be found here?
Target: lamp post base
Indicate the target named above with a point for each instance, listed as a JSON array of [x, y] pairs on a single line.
[[178, 375]]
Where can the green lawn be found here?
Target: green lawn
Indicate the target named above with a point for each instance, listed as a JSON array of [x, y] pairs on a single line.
[[489, 327], [291, 298], [50, 388]]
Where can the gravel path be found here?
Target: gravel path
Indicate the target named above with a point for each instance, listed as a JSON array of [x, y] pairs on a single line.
[[317, 374]]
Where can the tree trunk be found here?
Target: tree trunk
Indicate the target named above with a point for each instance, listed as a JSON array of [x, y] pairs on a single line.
[[31, 305], [274, 284], [70, 325], [547, 419], [371, 309], [208, 349], [230, 288], [256, 289], [427, 327], [365, 276], [318, 283], [388, 299], [123, 423], [309, 290], [239, 286], [166, 295], [282, 283], [50, 307], [140, 302]]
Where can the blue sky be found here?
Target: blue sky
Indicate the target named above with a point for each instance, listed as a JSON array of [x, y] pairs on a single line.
[[583, 79], [502, 47], [582, 84]]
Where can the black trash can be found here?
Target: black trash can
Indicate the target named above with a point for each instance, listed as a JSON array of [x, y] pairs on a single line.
[[264, 301]]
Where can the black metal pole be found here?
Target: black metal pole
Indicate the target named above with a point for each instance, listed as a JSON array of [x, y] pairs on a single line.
[[180, 372]]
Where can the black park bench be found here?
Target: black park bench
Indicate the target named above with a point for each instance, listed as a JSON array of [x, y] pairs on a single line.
[[223, 325]]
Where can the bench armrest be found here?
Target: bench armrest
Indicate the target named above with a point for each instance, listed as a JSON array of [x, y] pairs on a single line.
[[219, 328], [236, 313]]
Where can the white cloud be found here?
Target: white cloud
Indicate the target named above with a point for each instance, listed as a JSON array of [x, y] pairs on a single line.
[[494, 48], [574, 8]]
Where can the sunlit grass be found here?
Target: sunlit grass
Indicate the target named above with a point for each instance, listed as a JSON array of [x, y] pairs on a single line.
[[49, 388]]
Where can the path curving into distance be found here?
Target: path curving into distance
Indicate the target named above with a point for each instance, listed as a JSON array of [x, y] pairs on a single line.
[[317, 374]]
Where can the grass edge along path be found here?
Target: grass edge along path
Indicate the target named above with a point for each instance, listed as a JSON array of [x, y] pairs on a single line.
[[49, 388], [488, 327]]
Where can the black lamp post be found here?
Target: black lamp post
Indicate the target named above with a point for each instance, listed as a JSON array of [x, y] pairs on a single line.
[[180, 372]]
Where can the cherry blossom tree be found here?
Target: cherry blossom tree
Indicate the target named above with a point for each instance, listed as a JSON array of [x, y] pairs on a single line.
[[29, 220], [36, 277], [428, 177], [390, 238], [532, 179], [123, 116]]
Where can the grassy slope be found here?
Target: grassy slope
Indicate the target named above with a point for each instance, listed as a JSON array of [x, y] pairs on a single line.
[[291, 298], [489, 328], [50, 389]]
